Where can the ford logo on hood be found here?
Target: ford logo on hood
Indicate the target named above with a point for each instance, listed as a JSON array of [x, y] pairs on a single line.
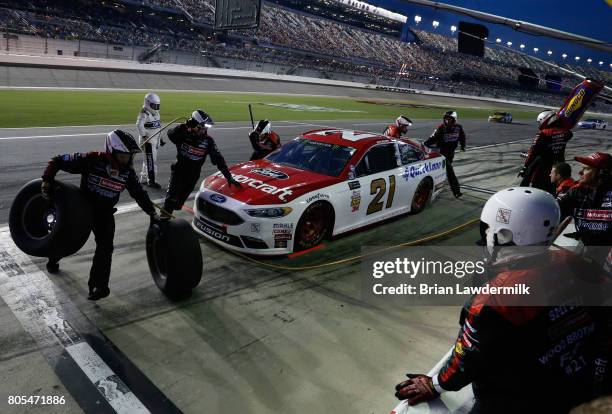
[[266, 172], [217, 198]]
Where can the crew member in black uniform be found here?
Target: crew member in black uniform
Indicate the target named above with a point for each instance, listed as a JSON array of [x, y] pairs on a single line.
[[193, 144], [104, 175], [447, 137]]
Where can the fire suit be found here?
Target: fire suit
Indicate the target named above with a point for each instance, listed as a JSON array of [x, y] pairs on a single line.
[[564, 186], [148, 124], [263, 145], [447, 138], [547, 148], [192, 149], [392, 131], [101, 185], [532, 359], [592, 212]]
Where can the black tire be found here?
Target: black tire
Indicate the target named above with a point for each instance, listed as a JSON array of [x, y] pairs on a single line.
[[421, 196], [56, 228], [175, 257], [314, 226]]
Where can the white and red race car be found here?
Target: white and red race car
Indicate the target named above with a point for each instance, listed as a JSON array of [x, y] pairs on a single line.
[[321, 184]]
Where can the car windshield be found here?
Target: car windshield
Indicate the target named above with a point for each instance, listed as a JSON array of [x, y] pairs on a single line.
[[319, 157]]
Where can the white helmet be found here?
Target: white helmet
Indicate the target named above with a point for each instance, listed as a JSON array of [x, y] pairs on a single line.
[[544, 116], [523, 216], [120, 142], [152, 102], [403, 122], [200, 118], [263, 127]]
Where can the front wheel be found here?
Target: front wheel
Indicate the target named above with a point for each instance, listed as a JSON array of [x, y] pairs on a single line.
[[314, 225], [421, 196]]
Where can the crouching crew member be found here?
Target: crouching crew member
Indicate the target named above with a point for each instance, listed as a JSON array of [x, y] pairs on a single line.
[[148, 124], [547, 148], [561, 178], [521, 357], [104, 175], [193, 144], [447, 137], [263, 140], [399, 128]]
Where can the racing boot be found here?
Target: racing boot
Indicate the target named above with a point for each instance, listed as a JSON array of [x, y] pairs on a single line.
[[154, 185], [458, 194], [53, 265], [97, 293]]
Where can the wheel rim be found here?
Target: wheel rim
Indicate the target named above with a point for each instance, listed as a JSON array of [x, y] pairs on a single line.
[[313, 230], [421, 196], [38, 218]]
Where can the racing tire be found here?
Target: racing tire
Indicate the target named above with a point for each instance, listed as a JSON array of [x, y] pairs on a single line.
[[174, 257], [421, 196], [50, 228], [314, 225]]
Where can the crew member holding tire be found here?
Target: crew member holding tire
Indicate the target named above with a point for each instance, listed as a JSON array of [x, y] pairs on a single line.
[[547, 148], [519, 356], [447, 137], [148, 124], [104, 175], [399, 128], [263, 140], [193, 145]]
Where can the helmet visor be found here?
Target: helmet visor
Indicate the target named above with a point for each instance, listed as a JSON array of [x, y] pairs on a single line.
[[154, 106]]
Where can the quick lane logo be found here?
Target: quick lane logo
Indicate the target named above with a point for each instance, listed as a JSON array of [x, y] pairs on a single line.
[[266, 172], [281, 193], [194, 150], [417, 170], [575, 103]]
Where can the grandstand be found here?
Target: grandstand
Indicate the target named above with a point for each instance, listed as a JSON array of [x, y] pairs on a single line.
[[335, 39]]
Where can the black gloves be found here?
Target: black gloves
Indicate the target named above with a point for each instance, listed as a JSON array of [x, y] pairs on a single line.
[[231, 181], [162, 142], [522, 172], [45, 190], [417, 389]]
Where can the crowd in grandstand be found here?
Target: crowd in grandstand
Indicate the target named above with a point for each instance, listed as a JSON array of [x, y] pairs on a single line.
[[285, 36]]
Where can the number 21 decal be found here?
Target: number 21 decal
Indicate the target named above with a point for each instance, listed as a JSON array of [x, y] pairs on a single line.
[[379, 187]]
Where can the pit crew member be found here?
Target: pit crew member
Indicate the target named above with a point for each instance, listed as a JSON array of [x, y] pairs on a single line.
[[522, 358], [263, 140], [399, 128], [104, 175], [547, 148], [148, 123], [561, 178], [193, 144], [447, 137]]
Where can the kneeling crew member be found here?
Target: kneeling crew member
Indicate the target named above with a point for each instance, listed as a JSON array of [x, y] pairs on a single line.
[[193, 144], [263, 140], [104, 175], [399, 128]]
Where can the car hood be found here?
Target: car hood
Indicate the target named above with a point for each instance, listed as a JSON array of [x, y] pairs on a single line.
[[265, 183]]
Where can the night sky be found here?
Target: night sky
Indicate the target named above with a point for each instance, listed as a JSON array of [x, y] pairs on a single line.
[[592, 18]]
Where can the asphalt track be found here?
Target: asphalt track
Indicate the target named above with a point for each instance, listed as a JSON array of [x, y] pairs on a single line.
[[254, 339]]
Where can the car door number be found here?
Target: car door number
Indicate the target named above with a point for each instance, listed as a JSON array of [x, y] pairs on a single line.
[[378, 188]]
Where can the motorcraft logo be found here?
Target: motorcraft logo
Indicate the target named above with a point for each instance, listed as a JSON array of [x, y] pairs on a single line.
[[106, 183], [266, 172], [598, 215], [575, 103], [194, 150], [281, 192], [413, 171], [217, 198]]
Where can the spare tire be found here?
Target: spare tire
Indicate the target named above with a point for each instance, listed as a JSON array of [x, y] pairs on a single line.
[[175, 257], [55, 228]]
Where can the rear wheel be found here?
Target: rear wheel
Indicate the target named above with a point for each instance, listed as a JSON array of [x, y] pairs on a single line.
[[314, 225], [421, 196]]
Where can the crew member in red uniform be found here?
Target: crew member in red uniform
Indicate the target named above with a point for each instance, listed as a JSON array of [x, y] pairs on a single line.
[[561, 178], [263, 140], [447, 137], [399, 128], [104, 175], [547, 148], [527, 358]]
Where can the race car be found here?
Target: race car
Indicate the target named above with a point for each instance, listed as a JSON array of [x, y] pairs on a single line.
[[321, 184], [593, 123], [505, 117]]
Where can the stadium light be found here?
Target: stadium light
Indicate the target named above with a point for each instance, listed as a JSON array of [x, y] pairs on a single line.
[[589, 60], [549, 52], [417, 19], [435, 24], [509, 44], [453, 29], [535, 49], [577, 58], [498, 40], [564, 55], [522, 46], [600, 63]]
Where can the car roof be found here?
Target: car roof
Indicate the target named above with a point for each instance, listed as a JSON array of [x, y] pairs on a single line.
[[346, 137]]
